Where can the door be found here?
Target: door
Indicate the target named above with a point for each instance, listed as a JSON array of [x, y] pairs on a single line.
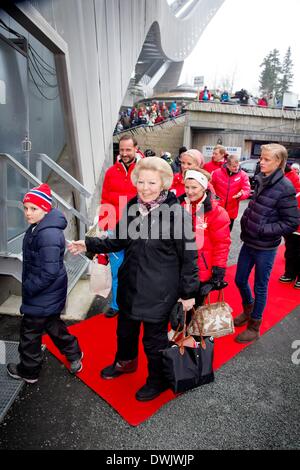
[[14, 126]]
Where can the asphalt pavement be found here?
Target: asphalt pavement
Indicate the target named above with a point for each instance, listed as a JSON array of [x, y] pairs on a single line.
[[254, 403]]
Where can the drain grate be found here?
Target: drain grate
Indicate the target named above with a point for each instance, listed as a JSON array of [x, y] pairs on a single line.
[[9, 388]]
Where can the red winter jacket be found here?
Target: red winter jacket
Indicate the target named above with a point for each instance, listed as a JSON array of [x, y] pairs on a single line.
[[226, 185], [117, 190], [212, 165], [178, 185], [294, 179], [201, 95], [212, 234]]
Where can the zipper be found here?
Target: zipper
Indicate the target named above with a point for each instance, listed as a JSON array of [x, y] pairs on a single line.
[[228, 186], [204, 260]]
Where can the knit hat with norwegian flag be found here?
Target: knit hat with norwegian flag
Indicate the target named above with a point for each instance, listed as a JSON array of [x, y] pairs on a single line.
[[40, 196]]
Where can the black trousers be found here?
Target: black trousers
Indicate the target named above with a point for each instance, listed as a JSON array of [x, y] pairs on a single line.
[[155, 338], [292, 255], [32, 329]]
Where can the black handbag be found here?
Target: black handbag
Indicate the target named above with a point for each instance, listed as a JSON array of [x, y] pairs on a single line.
[[188, 367]]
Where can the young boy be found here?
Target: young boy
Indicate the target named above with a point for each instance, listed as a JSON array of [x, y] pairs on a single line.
[[44, 287]]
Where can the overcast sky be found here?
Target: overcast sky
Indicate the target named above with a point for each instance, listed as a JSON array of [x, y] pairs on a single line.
[[238, 38]]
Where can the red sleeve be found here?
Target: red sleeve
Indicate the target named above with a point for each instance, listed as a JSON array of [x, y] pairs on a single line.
[[105, 199], [245, 186], [220, 236]]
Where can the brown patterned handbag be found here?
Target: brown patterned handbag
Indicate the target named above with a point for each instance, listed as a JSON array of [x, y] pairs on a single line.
[[212, 319]]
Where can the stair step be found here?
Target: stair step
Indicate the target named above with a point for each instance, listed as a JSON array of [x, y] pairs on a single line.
[[15, 245], [76, 266], [9, 387], [78, 303], [11, 306]]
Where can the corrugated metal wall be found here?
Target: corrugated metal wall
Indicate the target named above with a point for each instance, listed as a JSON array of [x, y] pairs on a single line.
[[104, 39]]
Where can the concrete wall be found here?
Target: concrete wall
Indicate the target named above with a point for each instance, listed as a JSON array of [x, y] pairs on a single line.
[[166, 137], [239, 126], [236, 117]]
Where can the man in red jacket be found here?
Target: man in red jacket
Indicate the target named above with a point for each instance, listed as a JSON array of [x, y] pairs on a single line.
[[219, 157], [117, 190]]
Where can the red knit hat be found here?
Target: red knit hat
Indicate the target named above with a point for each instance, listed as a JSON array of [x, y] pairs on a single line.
[[40, 196]]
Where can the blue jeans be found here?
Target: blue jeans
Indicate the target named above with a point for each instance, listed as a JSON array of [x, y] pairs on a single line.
[[263, 261], [115, 259]]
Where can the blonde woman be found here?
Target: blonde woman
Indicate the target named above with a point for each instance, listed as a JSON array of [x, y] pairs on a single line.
[[159, 269], [190, 160], [271, 214]]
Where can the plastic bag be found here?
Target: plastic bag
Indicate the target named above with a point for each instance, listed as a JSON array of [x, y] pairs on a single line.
[[100, 278]]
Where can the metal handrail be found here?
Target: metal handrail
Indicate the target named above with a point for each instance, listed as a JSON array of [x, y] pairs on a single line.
[[83, 192], [42, 157], [6, 159]]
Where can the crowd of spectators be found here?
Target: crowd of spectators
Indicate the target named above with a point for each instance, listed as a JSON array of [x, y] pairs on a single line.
[[149, 114], [242, 97], [155, 112]]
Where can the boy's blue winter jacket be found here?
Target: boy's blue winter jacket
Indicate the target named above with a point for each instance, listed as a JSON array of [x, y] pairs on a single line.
[[44, 279]]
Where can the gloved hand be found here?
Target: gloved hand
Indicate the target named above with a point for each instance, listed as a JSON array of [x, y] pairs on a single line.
[[217, 278], [177, 316], [205, 288]]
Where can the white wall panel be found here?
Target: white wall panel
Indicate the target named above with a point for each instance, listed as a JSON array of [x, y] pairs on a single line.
[[114, 56], [106, 81], [127, 53], [104, 40], [94, 94]]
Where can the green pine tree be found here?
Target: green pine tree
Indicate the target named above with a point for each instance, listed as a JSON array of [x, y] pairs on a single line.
[[287, 75], [270, 75]]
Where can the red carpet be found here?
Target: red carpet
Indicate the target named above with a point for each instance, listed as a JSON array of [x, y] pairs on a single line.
[[98, 340]]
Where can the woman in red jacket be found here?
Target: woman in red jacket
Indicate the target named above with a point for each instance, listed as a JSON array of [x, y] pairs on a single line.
[[189, 160], [231, 185], [211, 227]]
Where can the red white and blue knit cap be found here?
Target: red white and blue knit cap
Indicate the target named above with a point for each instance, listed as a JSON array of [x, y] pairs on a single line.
[[40, 196]]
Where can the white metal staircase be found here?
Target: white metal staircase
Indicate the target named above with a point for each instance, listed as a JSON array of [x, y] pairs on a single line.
[[11, 249], [11, 263]]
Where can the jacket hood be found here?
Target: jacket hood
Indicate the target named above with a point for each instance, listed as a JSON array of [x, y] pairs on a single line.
[[54, 219]]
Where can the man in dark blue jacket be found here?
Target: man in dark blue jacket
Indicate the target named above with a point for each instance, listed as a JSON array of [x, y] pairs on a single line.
[[44, 287]]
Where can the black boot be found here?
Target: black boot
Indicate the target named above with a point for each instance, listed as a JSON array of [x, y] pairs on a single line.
[[150, 391], [118, 368]]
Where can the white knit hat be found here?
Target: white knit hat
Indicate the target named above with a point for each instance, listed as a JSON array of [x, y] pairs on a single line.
[[198, 176]]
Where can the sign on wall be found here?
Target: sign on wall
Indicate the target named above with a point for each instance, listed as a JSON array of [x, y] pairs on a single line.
[[199, 81], [290, 100], [207, 150]]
